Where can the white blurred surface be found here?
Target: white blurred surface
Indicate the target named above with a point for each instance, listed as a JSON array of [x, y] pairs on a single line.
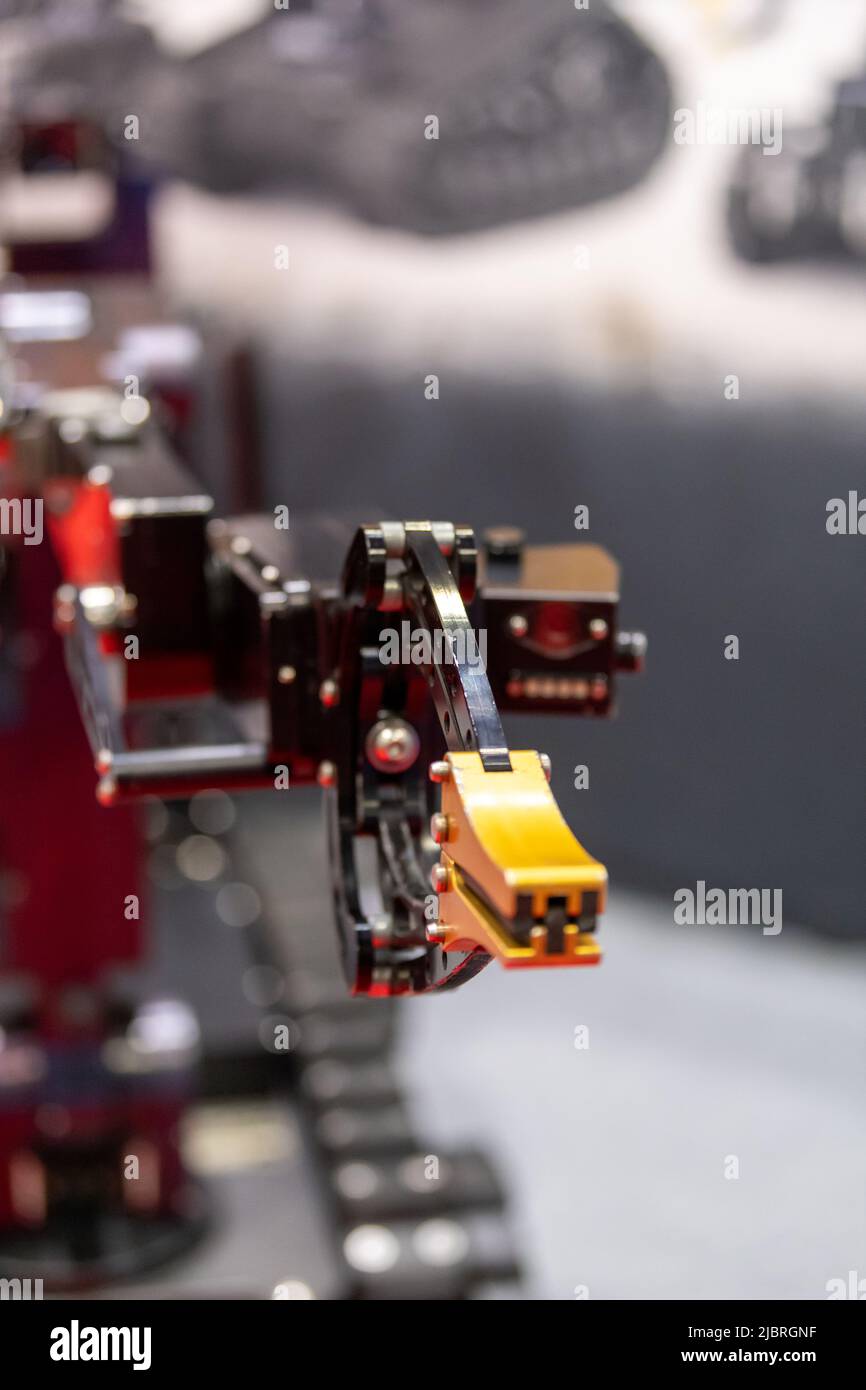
[[662, 300]]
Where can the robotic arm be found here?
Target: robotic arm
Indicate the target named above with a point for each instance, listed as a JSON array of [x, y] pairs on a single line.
[[222, 653]]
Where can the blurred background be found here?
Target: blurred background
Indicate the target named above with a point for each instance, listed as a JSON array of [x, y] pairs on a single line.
[[671, 334]]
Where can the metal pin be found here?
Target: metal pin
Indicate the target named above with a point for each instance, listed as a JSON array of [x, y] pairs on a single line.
[[440, 878], [106, 791], [326, 774], [329, 693]]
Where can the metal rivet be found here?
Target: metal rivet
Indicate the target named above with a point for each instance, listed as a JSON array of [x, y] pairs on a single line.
[[440, 878], [326, 774], [392, 745], [329, 693], [106, 791]]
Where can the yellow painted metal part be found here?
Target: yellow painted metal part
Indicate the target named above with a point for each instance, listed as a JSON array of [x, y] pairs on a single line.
[[507, 840]]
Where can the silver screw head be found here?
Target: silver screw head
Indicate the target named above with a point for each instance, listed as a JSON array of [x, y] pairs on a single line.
[[326, 774], [518, 625], [329, 693], [392, 745], [439, 878], [440, 771]]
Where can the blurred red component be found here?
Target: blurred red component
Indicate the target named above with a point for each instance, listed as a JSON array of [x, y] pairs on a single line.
[[82, 531], [556, 627], [67, 865]]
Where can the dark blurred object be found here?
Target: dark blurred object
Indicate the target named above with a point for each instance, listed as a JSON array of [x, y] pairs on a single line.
[[809, 200], [442, 116], [121, 243]]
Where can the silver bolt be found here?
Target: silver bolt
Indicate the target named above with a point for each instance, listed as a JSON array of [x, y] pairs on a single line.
[[439, 827], [440, 771], [106, 790], [329, 693], [326, 774], [544, 759], [439, 878], [392, 745], [286, 675], [631, 650], [518, 625], [598, 629], [270, 574]]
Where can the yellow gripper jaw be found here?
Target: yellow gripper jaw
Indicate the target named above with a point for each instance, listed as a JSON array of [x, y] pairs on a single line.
[[512, 878]]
